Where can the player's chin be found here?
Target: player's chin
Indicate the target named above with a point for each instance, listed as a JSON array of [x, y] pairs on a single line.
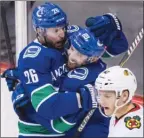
[[71, 65], [107, 111], [59, 45]]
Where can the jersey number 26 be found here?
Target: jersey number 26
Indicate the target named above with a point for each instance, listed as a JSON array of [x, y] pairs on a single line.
[[31, 75]]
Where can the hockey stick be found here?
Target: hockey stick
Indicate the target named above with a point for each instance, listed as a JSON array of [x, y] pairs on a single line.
[[132, 48], [122, 62]]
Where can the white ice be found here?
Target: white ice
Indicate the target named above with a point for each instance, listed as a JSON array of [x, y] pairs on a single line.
[[8, 117]]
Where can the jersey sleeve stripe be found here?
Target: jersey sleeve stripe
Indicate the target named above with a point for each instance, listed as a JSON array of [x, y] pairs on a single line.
[[66, 122], [41, 94], [31, 129], [45, 100], [60, 125], [29, 124]]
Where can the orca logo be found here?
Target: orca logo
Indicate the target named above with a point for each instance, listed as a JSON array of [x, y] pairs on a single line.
[[99, 43], [32, 52], [72, 28], [40, 11], [78, 73]]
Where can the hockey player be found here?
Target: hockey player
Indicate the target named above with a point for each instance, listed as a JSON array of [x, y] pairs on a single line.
[[116, 86]]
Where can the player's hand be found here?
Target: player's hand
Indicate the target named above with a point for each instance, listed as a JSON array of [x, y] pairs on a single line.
[[115, 35], [103, 25], [88, 97], [11, 76], [19, 99]]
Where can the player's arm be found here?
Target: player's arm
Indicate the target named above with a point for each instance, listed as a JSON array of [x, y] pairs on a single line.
[[108, 29], [67, 122], [37, 79], [51, 104], [46, 101]]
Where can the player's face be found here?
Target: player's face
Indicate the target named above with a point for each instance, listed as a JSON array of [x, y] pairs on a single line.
[[75, 58], [56, 36], [107, 101]]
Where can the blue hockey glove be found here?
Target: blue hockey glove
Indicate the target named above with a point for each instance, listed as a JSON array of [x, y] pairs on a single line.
[[115, 35], [11, 76], [88, 97], [103, 26], [19, 99]]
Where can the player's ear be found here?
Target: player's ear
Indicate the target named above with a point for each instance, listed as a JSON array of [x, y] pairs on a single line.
[[93, 59], [125, 95], [40, 31]]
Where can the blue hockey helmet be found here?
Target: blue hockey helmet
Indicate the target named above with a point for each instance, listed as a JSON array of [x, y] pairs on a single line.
[[86, 43], [48, 15]]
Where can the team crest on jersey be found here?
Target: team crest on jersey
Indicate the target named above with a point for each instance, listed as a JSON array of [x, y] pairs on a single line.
[[78, 73], [32, 52], [132, 122], [99, 43], [72, 28]]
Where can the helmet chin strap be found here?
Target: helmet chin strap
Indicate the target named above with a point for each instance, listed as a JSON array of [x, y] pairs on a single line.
[[100, 108], [118, 95], [102, 112]]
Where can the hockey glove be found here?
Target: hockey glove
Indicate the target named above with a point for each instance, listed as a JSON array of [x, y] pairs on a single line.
[[103, 26], [11, 76], [19, 99], [88, 97]]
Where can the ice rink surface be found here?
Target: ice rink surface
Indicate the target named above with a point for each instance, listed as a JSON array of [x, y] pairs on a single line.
[[8, 117]]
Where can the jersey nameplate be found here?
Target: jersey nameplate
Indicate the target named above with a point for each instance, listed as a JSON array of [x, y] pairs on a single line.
[[32, 52], [78, 73]]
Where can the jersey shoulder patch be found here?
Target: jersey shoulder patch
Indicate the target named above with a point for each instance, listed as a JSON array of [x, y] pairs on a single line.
[[32, 52], [79, 73]]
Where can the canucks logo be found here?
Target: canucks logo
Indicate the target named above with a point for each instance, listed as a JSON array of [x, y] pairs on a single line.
[[78, 73], [32, 52], [72, 28], [132, 123], [99, 43]]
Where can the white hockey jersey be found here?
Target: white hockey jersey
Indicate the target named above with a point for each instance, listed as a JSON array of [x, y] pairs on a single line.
[[129, 125]]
